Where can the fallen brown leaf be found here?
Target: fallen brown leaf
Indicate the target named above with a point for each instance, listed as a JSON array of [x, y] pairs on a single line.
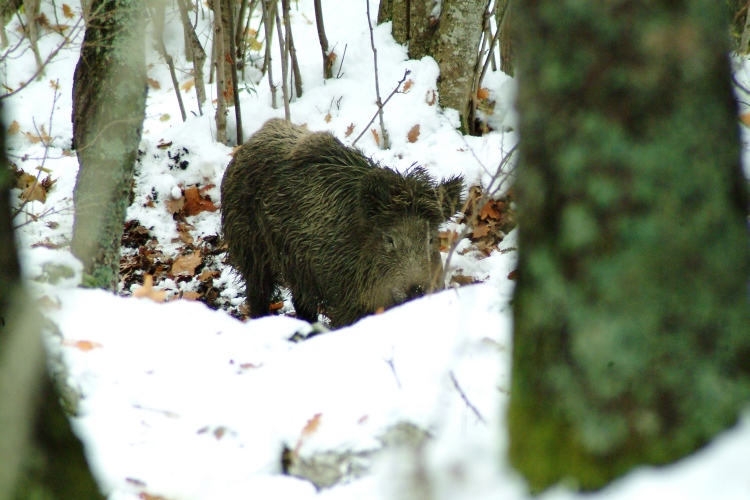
[[147, 291], [83, 345], [174, 206], [195, 203], [376, 136], [185, 265], [413, 134]]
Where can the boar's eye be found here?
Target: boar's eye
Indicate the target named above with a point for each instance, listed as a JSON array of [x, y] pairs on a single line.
[[390, 243]]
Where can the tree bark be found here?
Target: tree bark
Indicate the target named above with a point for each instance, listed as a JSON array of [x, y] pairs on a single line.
[[109, 100], [632, 325], [449, 31], [222, 76], [41, 457]]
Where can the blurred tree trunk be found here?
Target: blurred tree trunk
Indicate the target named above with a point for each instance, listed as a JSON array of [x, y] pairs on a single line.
[[632, 325], [740, 27], [507, 51], [450, 32], [109, 102], [40, 456]]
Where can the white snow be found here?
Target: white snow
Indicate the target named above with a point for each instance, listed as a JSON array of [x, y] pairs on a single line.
[[185, 402]]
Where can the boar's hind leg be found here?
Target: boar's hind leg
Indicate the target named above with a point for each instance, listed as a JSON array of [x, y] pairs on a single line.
[[305, 311], [260, 285]]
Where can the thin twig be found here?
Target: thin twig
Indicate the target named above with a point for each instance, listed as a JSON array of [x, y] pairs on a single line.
[[284, 48], [268, 29], [235, 86], [378, 101], [491, 50], [157, 17], [339, 74], [380, 108], [466, 399], [47, 144], [46, 61], [327, 64], [198, 53], [393, 369], [290, 48]]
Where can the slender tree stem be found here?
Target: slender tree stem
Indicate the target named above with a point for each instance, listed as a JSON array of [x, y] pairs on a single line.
[[378, 101]]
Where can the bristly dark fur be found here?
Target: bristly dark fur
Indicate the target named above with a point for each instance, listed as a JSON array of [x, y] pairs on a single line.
[[301, 210]]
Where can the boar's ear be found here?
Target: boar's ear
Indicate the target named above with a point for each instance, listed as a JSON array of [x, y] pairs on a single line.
[[375, 192], [449, 195]]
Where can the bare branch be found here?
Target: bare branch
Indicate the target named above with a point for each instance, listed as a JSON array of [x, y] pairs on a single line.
[[380, 108], [291, 50], [284, 66], [198, 55], [386, 142], [466, 399], [157, 17], [51, 56], [268, 29], [327, 64], [235, 86]]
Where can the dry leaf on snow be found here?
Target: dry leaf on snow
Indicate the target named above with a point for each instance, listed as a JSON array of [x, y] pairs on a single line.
[[185, 265], [147, 291], [174, 206], [310, 427], [413, 134], [195, 203], [83, 345]]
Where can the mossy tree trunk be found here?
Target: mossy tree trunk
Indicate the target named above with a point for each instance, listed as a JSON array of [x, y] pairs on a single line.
[[450, 32], [40, 455], [632, 325], [109, 101]]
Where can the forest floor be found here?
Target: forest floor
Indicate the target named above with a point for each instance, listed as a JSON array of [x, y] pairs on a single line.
[[181, 396]]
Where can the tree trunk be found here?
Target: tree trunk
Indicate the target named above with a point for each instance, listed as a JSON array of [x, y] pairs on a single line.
[[223, 77], [109, 100], [632, 325], [449, 31], [41, 457], [502, 18]]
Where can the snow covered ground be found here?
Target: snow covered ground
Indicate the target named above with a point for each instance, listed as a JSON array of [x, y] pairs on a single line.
[[181, 401]]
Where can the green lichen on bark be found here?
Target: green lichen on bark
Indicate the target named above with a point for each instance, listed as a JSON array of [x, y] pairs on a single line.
[[109, 99], [632, 326]]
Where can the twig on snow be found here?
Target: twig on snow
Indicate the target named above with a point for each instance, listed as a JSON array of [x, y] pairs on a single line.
[[379, 102], [380, 107], [466, 399]]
